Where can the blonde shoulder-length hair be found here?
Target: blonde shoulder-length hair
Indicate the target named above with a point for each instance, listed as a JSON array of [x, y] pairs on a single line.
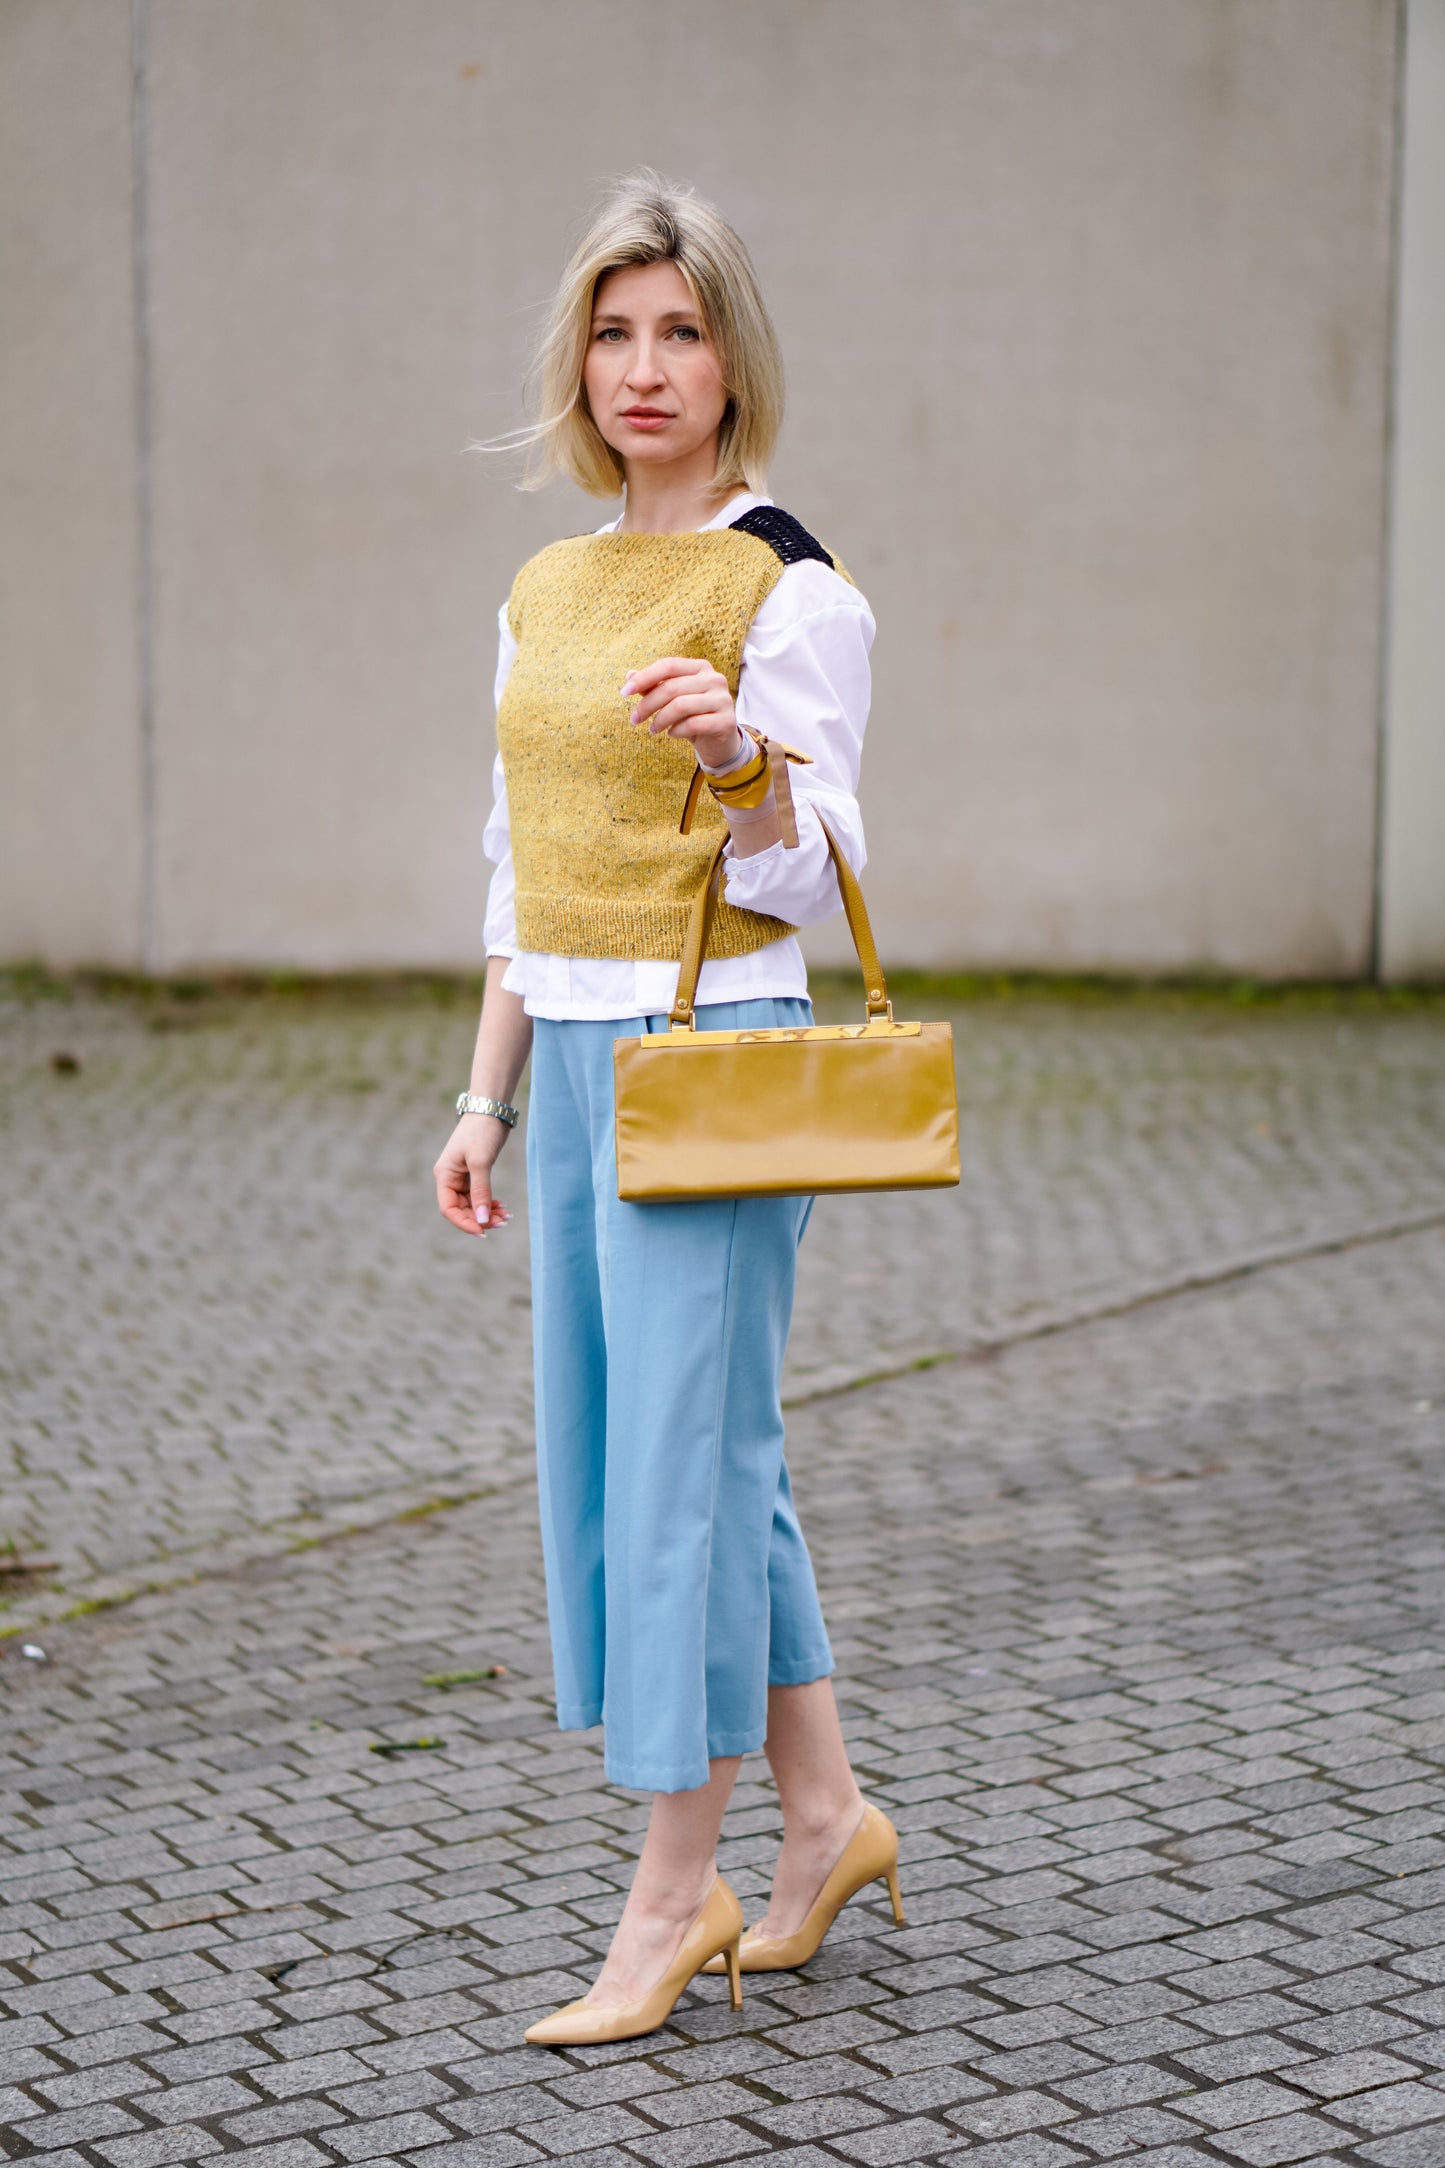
[[647, 219]]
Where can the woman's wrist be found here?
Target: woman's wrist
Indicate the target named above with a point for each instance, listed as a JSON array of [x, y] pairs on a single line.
[[741, 752], [487, 1106]]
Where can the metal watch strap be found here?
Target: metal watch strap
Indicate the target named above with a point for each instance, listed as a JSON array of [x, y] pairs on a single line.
[[474, 1103]]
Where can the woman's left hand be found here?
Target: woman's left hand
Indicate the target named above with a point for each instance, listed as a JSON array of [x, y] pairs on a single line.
[[684, 697]]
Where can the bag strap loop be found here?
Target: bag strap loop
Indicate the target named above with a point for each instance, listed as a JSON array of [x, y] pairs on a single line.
[[778, 756], [875, 986]]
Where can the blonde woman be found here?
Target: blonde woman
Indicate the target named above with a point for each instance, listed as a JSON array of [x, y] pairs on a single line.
[[689, 632]]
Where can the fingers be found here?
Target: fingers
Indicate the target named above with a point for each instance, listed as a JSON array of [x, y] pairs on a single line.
[[686, 708], [487, 1211], [464, 1195], [642, 681], [471, 1217], [454, 1201], [677, 676]]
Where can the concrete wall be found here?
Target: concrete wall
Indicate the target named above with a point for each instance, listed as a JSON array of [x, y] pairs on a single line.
[[1412, 856], [1086, 305], [71, 759]]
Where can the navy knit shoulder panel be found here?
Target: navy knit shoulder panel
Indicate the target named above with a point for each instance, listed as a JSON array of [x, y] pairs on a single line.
[[782, 533]]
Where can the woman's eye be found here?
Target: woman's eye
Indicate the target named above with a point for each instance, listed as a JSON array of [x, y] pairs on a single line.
[[610, 332], [686, 331]]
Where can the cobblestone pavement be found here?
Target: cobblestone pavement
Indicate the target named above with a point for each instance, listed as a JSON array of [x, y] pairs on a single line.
[[1136, 1601], [233, 1320]]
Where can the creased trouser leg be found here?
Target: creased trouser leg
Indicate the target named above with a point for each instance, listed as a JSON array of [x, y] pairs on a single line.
[[679, 1584]]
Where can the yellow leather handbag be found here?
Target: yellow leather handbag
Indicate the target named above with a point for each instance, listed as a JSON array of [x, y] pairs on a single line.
[[790, 1112]]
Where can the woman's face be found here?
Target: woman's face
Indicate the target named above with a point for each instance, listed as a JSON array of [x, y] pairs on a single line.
[[652, 376]]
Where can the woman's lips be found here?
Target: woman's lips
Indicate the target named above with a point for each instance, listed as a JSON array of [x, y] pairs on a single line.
[[645, 417]]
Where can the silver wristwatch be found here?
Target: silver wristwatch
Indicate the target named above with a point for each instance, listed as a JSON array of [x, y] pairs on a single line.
[[473, 1103]]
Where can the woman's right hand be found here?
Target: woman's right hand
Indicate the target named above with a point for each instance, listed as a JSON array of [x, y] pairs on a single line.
[[464, 1175]]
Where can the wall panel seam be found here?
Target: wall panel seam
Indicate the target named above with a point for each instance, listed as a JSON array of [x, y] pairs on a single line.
[[148, 931], [1387, 492]]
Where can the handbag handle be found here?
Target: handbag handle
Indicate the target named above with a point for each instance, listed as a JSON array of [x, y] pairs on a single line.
[[875, 986]]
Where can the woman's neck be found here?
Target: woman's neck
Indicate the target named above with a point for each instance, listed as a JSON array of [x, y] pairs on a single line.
[[665, 502]]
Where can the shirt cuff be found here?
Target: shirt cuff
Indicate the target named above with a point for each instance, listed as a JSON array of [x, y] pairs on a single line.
[[738, 872]]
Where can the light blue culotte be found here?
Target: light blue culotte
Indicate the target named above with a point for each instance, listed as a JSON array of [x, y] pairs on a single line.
[[679, 1587]]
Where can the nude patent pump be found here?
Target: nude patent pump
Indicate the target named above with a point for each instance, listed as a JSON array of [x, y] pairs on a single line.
[[870, 1855], [714, 1933]]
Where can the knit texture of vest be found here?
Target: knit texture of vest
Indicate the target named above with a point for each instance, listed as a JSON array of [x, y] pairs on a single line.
[[594, 800]]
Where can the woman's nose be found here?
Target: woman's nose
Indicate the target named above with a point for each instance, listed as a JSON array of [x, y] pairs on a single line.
[[646, 365]]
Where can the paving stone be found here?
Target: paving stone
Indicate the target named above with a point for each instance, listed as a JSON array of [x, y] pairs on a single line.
[[1106, 2136], [506, 2149], [284, 2119], [1248, 2100], [309, 2073], [1246, 2057], [1350, 2029], [1392, 2107], [1002, 2113], [503, 2110], [77, 2126], [902, 2138], [1286, 2138], [1126, 2085], [828, 2074], [924, 2089], [696, 2103], [586, 2127], [289, 2153], [801, 2156], [1247, 2014], [1033, 2151], [700, 2144], [399, 2133], [154, 2148], [1338, 2075], [591, 2088], [1410, 2149]]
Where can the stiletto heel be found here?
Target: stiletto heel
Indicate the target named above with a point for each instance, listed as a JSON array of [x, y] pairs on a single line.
[[870, 1855], [714, 1933]]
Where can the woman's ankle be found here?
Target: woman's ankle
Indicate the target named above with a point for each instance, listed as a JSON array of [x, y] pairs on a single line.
[[816, 1819], [675, 1898]]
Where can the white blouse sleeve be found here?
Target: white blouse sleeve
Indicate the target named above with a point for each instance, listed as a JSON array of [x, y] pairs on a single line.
[[805, 679], [499, 927]]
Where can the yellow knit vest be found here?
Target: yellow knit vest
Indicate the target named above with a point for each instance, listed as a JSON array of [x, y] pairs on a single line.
[[594, 802]]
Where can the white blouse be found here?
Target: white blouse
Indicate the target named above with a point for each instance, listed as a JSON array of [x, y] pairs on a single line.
[[804, 679]]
